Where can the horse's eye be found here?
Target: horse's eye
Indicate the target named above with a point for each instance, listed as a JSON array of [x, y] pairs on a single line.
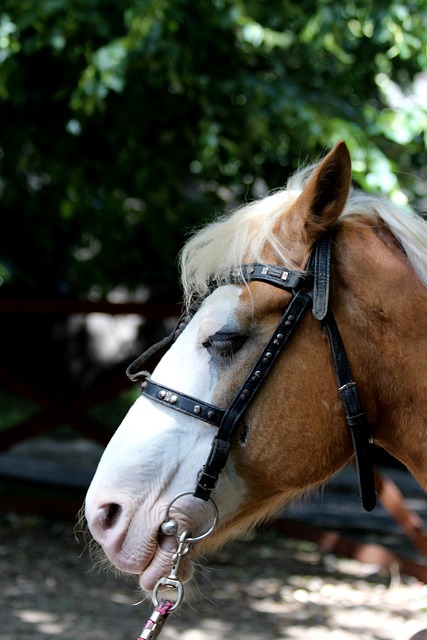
[[225, 345]]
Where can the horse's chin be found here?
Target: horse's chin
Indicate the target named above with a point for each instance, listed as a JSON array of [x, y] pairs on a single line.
[[150, 567], [161, 564]]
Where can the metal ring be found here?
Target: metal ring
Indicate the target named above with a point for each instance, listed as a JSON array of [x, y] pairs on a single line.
[[170, 584], [202, 536]]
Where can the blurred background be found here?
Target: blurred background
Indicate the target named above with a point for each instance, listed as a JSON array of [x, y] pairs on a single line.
[[125, 124]]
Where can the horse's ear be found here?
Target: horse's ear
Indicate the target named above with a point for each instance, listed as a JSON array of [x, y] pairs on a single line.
[[325, 194]]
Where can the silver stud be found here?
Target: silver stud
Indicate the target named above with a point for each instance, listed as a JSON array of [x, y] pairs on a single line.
[[197, 409], [264, 271], [211, 415], [173, 399], [169, 528], [162, 394], [291, 317], [285, 275]]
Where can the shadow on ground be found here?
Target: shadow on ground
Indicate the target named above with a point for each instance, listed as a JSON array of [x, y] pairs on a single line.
[[263, 588]]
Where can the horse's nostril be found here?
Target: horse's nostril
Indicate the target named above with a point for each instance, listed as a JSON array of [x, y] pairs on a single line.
[[111, 515]]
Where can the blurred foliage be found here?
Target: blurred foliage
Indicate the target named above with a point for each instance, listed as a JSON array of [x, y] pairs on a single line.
[[126, 122], [13, 412]]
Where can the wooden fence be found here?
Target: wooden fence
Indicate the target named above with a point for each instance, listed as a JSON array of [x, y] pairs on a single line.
[[73, 410]]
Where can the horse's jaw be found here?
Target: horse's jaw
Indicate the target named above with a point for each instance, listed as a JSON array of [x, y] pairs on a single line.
[[135, 544]]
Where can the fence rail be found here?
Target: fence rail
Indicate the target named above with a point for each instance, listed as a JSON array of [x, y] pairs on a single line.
[[73, 410]]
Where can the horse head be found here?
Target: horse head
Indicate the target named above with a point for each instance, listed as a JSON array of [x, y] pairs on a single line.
[[293, 433]]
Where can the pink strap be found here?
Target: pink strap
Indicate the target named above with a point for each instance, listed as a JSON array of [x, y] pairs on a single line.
[[163, 608]]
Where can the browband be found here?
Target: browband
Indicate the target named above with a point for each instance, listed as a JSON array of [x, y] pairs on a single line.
[[287, 279]]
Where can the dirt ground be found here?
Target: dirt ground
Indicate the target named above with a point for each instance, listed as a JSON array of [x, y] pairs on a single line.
[[265, 587]]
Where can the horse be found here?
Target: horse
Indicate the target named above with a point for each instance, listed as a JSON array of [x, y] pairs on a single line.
[[249, 282]]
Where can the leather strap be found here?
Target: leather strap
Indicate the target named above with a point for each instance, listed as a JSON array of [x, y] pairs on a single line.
[[208, 476], [322, 275], [355, 415], [183, 403], [288, 279], [134, 371]]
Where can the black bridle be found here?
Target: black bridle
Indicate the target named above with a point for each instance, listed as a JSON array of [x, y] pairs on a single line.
[[309, 288]]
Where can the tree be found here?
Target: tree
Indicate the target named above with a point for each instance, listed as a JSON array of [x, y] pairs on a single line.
[[126, 122]]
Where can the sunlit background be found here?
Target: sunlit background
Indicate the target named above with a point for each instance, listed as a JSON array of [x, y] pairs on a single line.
[[124, 124]]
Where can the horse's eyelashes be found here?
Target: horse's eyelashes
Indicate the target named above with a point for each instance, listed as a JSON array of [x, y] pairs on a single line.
[[225, 345]]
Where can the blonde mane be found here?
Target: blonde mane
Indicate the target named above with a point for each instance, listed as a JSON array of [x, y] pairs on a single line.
[[244, 234]]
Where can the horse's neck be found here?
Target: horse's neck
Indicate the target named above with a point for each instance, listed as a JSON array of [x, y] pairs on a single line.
[[386, 330]]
